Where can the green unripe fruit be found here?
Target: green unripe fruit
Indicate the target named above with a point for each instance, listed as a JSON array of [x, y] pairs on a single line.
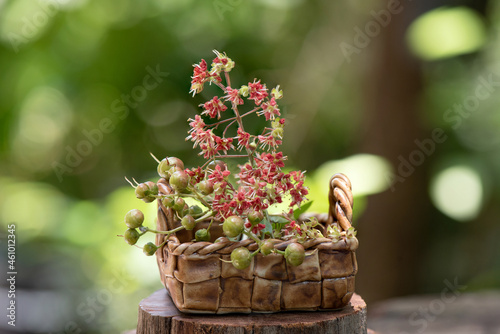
[[179, 204], [255, 217], [134, 218], [149, 249], [195, 211], [241, 258], [211, 166], [188, 222], [164, 169], [267, 247], [146, 191], [169, 165], [295, 254], [153, 188], [179, 180], [202, 235], [131, 236], [233, 226], [206, 187], [184, 211], [168, 202], [173, 161], [141, 190]]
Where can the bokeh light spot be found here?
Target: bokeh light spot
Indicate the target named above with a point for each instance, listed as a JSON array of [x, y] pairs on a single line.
[[458, 192], [368, 175], [446, 32], [36, 208]]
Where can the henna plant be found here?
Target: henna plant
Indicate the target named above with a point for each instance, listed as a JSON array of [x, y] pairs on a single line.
[[242, 205]]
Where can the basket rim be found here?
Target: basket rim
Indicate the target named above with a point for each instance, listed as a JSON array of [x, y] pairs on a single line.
[[226, 246]]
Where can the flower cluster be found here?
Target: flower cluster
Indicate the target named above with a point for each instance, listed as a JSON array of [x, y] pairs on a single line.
[[239, 198], [261, 182]]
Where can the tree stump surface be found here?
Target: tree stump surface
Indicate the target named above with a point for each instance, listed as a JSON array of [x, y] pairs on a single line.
[[158, 315]]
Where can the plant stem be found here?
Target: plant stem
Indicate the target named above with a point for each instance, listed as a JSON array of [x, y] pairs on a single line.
[[221, 86], [220, 122], [252, 236], [162, 244], [249, 112], [232, 156], [207, 215], [165, 232], [210, 225], [255, 253], [199, 197], [227, 127]]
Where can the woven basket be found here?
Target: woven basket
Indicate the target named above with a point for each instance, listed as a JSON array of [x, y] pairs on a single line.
[[199, 282]]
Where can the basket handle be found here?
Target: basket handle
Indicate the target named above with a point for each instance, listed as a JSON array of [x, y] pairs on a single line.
[[341, 201]]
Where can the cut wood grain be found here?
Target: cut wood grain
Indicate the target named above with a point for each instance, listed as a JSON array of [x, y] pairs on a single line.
[[158, 315]]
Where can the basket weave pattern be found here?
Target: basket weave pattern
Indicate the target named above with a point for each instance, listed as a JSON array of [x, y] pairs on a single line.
[[199, 282]]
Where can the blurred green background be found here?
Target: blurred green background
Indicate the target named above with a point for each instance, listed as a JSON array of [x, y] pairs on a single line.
[[400, 96]]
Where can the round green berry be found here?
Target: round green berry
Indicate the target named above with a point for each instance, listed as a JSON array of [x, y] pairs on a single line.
[[195, 210], [141, 191], [134, 218], [179, 204], [267, 247], [164, 169], [241, 258], [184, 211], [206, 187], [149, 249], [168, 202], [255, 217], [173, 161], [188, 222], [233, 226], [131, 236], [211, 166], [202, 235], [295, 254], [179, 180], [146, 191]]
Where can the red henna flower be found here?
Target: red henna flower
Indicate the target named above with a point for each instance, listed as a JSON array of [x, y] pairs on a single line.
[[214, 107], [268, 142], [258, 91], [233, 95], [200, 76], [269, 109], [243, 139]]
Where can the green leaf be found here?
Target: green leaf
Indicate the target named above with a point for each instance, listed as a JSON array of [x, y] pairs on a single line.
[[303, 208], [269, 227], [278, 220]]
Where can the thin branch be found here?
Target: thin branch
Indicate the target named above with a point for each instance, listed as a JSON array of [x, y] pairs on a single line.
[[232, 156], [158, 161], [249, 112], [220, 122], [227, 127], [221, 86], [130, 182]]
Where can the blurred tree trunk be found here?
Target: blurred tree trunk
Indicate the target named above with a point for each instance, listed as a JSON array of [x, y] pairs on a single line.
[[392, 226]]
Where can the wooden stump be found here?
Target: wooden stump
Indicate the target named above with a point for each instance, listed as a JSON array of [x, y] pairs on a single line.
[[158, 315]]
